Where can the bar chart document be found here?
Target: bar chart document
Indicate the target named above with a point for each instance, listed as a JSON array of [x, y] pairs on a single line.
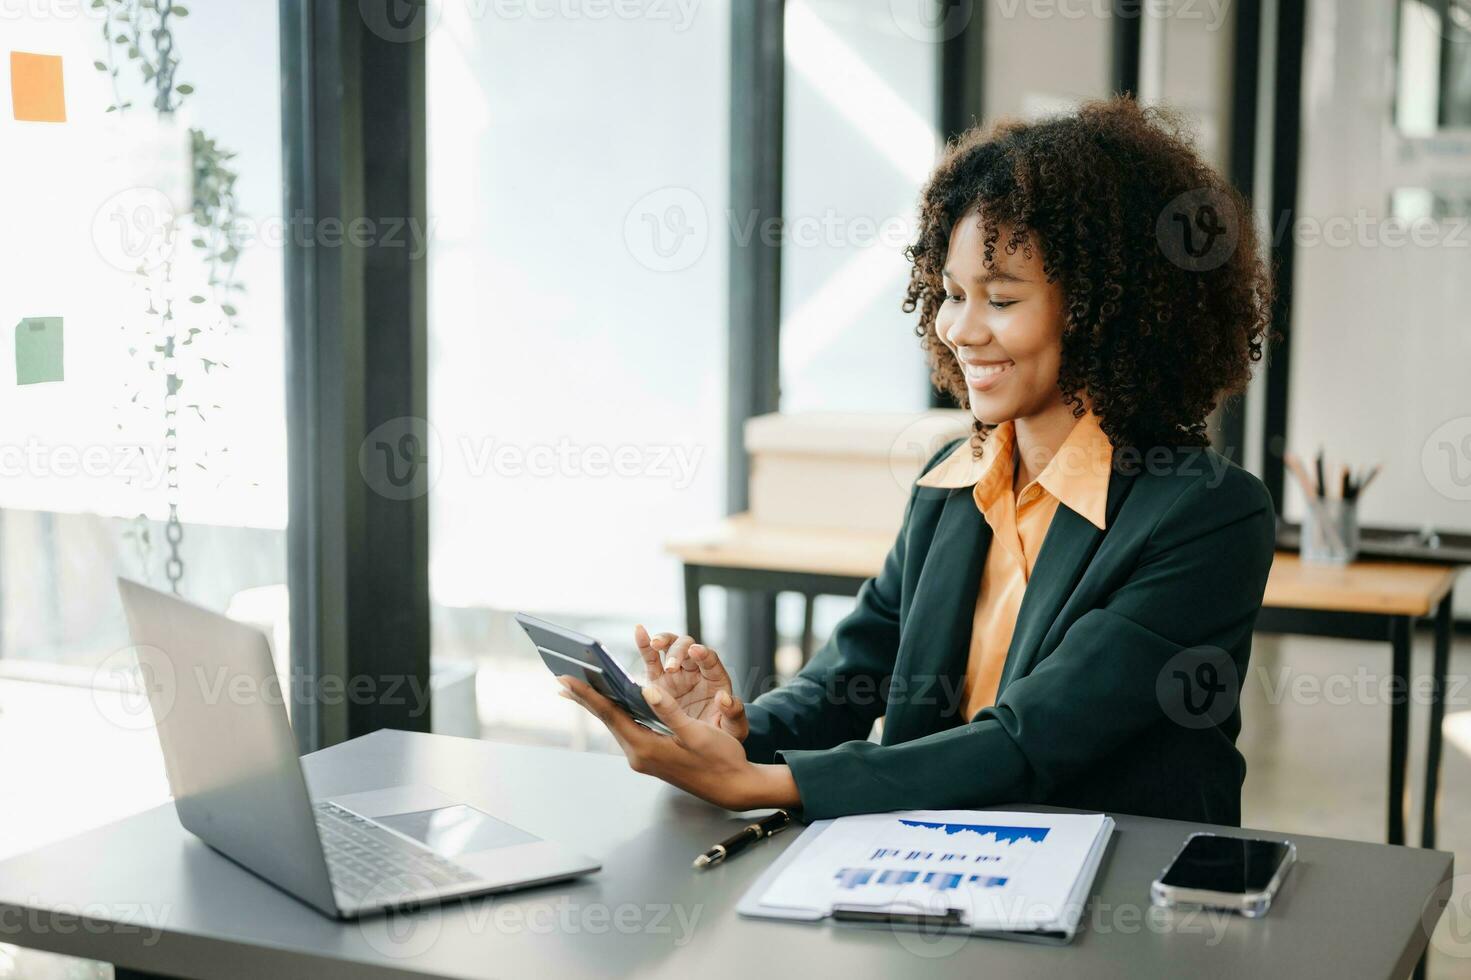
[[1008, 873]]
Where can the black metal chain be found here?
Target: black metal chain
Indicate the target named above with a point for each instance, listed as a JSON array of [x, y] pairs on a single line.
[[173, 531]]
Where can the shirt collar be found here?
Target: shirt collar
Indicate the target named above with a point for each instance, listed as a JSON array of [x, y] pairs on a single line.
[[1077, 475]]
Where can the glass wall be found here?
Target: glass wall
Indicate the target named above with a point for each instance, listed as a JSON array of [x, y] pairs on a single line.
[[861, 85], [578, 184], [142, 420], [861, 105]]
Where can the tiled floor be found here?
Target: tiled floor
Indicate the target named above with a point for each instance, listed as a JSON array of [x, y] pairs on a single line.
[[1316, 740]]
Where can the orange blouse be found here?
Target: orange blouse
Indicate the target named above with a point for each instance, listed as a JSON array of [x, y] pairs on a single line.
[[1077, 477]]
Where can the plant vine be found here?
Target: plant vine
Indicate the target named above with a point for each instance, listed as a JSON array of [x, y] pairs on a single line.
[[140, 33]]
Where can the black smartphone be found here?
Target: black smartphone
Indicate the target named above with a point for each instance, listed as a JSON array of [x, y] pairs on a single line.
[[1239, 874], [566, 652]]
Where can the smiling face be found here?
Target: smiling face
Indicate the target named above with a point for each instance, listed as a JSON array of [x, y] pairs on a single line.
[[1004, 325]]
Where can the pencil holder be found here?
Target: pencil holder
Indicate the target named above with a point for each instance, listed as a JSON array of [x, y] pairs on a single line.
[[1330, 532]]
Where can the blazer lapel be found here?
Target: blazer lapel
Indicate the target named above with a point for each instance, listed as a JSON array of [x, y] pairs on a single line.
[[936, 642], [1067, 549]]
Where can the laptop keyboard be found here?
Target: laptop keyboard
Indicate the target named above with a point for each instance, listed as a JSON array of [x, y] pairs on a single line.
[[369, 862]]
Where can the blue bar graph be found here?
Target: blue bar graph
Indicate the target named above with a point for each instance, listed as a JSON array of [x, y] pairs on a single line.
[[852, 878], [1004, 835]]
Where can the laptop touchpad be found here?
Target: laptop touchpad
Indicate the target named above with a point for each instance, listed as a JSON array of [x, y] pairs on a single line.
[[455, 830]]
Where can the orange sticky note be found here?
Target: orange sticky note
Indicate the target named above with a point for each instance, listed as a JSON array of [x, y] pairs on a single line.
[[36, 89]]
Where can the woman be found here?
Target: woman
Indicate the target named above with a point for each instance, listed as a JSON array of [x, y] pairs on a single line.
[[1069, 604]]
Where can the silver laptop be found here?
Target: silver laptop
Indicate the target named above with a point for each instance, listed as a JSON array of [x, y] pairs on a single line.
[[238, 784]]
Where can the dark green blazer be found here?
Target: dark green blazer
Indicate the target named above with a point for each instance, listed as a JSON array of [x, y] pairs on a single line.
[[1120, 687]]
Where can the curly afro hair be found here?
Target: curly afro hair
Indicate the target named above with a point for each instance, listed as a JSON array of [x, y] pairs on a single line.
[[1167, 300]]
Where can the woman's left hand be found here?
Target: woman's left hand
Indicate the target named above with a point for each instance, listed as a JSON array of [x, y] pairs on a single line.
[[699, 758]]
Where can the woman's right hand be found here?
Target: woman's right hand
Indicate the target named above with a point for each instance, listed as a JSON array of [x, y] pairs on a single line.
[[694, 677]]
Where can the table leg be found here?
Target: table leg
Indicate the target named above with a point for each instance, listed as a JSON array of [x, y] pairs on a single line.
[[757, 610], [692, 602], [1399, 724], [1439, 670], [809, 602]]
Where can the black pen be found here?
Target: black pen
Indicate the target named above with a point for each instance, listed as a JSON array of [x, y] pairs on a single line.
[[773, 823]]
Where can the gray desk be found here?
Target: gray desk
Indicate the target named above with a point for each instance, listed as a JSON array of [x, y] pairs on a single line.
[[1349, 909]]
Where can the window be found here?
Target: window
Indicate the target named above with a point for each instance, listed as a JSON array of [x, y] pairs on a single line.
[[141, 373], [860, 141], [577, 311]]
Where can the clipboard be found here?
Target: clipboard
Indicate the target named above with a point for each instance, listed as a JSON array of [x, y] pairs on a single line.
[[750, 905]]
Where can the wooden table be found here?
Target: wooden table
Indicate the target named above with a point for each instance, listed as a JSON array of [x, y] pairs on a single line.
[[1363, 601]]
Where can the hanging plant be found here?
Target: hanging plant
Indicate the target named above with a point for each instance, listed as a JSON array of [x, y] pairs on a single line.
[[139, 33], [143, 31]]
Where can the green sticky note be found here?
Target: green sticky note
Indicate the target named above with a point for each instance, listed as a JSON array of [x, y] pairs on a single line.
[[38, 350]]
